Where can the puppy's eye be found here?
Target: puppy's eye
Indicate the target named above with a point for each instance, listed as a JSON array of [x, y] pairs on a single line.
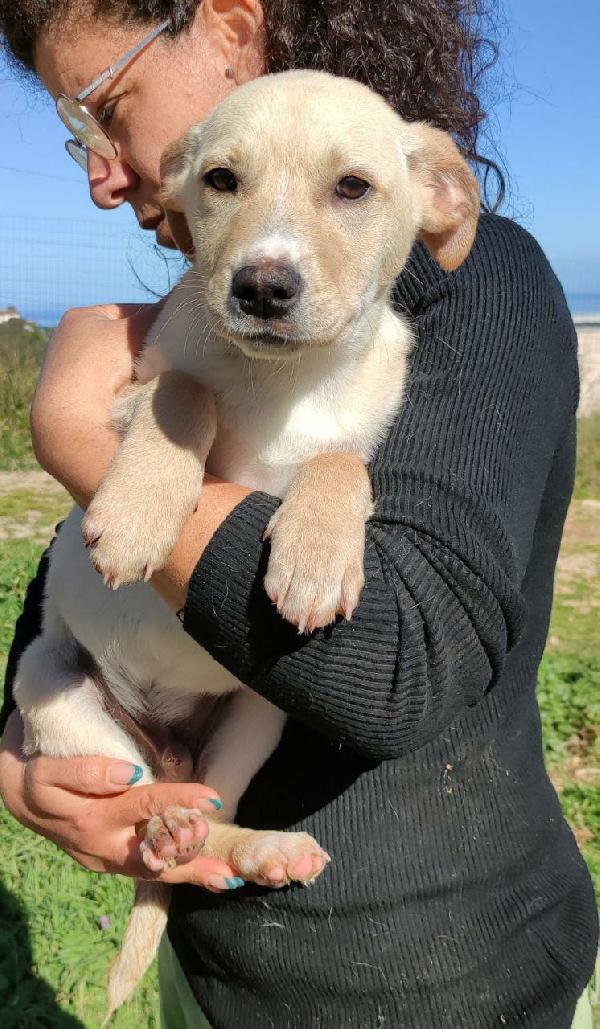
[[221, 179], [352, 188]]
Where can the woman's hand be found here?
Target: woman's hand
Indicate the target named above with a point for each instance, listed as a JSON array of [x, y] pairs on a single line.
[[90, 360], [86, 807]]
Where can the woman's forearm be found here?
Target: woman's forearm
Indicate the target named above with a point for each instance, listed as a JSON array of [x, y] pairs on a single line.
[[217, 500]]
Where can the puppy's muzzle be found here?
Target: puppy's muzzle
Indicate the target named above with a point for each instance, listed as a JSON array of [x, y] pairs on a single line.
[[266, 290]]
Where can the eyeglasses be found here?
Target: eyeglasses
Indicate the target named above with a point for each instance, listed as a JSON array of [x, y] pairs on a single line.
[[87, 131]]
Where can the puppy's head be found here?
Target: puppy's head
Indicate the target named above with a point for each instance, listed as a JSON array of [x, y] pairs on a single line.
[[302, 195]]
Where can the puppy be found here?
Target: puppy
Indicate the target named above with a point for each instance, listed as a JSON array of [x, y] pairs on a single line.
[[277, 363]]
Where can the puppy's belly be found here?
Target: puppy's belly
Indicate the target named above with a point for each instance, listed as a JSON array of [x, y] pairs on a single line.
[[137, 641]]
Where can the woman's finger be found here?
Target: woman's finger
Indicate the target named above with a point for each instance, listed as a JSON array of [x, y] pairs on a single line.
[[145, 801], [212, 874], [12, 764], [93, 776]]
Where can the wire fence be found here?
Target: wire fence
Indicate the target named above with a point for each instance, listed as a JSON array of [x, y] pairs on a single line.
[[51, 264]]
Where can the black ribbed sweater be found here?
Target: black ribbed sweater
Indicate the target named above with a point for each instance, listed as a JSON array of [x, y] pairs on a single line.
[[456, 898]]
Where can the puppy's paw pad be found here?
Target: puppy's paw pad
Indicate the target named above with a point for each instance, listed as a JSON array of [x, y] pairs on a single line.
[[173, 838], [278, 858]]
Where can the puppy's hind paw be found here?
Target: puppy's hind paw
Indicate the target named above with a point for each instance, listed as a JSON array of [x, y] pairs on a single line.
[[173, 838], [278, 858]]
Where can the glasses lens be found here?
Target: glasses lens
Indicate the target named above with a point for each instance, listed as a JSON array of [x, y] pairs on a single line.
[[77, 152], [84, 127]]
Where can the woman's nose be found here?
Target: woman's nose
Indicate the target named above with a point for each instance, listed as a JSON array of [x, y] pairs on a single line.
[[110, 181]]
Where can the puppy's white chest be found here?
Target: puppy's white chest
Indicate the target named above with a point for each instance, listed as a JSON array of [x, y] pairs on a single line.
[[261, 441]]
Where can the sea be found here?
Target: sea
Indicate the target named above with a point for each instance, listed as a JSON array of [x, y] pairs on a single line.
[[49, 315], [583, 303]]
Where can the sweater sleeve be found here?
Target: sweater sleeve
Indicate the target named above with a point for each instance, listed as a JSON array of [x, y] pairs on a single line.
[[28, 626], [457, 488]]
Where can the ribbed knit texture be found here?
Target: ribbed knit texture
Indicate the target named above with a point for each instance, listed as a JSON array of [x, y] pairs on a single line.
[[456, 897]]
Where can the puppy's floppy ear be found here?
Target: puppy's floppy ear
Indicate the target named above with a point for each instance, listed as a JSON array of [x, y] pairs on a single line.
[[449, 195], [175, 165]]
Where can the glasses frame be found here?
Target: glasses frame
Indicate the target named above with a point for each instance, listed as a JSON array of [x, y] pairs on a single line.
[[74, 146]]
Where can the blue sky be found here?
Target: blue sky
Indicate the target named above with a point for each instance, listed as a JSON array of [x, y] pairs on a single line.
[[546, 124]]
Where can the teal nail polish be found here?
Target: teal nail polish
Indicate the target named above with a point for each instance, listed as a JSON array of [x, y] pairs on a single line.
[[234, 884], [216, 803], [137, 775]]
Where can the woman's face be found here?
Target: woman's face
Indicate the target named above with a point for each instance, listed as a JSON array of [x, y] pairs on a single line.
[[171, 85]]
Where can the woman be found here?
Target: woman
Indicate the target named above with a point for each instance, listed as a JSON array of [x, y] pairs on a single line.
[[457, 896]]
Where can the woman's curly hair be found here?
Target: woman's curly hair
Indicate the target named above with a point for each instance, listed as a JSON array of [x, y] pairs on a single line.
[[426, 57]]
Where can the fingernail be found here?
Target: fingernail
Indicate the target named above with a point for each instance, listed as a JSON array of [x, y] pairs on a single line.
[[125, 774], [215, 803], [222, 882]]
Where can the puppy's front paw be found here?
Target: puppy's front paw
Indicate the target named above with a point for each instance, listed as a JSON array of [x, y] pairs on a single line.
[[278, 858], [173, 838], [129, 537], [315, 569]]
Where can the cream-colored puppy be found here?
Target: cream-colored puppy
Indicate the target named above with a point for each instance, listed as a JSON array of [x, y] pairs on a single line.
[[278, 363]]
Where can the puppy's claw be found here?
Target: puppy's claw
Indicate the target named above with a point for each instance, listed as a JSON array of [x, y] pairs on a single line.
[[112, 581]]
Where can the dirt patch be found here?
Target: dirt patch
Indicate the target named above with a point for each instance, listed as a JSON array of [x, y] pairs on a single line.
[[583, 524], [588, 339], [32, 480], [31, 504], [578, 565]]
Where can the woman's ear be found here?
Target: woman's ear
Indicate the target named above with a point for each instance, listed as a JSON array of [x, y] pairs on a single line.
[[449, 195], [237, 29], [175, 166]]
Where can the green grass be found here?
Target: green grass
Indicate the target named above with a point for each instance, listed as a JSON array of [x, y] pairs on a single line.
[[54, 955], [21, 354], [18, 561], [569, 698], [587, 485]]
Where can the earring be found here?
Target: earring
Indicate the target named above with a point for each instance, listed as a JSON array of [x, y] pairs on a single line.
[[229, 73]]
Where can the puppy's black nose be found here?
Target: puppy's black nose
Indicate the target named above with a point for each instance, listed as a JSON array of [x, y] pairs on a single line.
[[266, 290]]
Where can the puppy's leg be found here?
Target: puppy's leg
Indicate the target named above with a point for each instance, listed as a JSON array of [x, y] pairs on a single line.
[[315, 570], [64, 716], [250, 731], [153, 484], [246, 735], [62, 710]]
